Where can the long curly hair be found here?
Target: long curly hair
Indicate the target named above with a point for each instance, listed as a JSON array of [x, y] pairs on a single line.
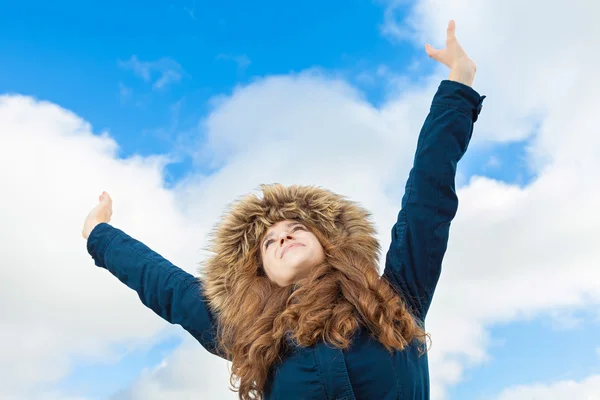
[[257, 319]]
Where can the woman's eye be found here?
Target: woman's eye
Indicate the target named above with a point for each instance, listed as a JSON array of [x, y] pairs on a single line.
[[268, 243]]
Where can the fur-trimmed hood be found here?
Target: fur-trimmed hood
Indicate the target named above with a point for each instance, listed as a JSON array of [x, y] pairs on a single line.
[[235, 240]]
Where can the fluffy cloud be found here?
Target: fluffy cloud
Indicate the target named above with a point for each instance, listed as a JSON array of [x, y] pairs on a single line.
[[55, 306], [535, 65]]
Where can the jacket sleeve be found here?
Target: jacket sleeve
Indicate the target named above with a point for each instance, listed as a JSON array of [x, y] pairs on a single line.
[[420, 234], [169, 291]]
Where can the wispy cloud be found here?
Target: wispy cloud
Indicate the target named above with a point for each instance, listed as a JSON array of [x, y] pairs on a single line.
[[167, 77], [161, 73]]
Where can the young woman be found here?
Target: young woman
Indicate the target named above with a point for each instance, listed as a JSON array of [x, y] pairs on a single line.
[[292, 295]]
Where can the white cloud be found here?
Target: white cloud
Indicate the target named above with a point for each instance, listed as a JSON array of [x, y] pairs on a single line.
[[514, 252], [586, 389], [54, 304]]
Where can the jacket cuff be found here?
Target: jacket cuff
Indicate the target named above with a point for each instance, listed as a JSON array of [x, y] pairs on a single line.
[[458, 96], [98, 240]]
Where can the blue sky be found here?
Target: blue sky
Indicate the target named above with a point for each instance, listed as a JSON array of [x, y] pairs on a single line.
[[148, 71]]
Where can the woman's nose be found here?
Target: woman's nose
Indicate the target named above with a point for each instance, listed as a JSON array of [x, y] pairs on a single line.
[[285, 236]]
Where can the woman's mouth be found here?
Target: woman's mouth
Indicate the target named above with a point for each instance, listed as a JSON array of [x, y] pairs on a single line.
[[291, 246]]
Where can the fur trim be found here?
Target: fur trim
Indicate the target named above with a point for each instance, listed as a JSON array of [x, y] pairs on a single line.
[[235, 241]]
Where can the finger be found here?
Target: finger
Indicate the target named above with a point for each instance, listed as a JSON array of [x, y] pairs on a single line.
[[437, 55], [104, 197], [431, 52], [451, 30]]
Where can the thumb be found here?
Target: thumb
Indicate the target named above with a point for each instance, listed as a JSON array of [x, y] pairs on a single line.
[[431, 52], [105, 198]]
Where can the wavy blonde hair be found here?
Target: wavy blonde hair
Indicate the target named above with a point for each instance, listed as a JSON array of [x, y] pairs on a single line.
[[341, 294]]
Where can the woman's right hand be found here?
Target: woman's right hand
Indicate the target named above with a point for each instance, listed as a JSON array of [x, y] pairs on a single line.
[[101, 213], [462, 68]]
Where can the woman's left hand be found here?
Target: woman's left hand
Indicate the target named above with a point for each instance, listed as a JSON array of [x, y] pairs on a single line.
[[462, 68]]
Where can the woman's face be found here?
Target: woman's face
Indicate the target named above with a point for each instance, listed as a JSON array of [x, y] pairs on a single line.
[[289, 252]]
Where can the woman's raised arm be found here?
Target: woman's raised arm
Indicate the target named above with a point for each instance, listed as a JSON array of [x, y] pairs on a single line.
[[420, 234], [173, 294]]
